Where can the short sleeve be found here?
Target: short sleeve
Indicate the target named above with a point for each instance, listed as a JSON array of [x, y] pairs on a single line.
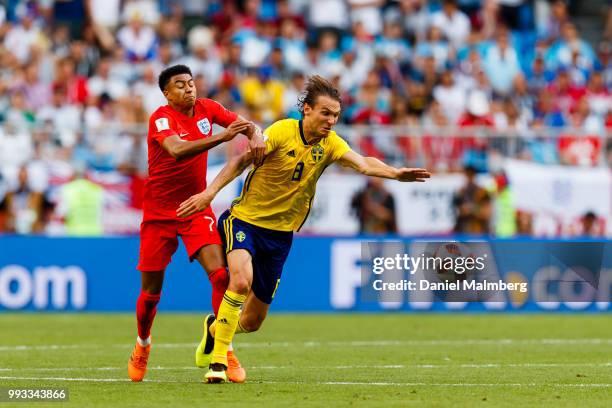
[[339, 147], [161, 126], [271, 137], [219, 114]]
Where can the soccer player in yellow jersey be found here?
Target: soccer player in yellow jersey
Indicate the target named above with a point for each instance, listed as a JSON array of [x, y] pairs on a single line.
[[276, 198]]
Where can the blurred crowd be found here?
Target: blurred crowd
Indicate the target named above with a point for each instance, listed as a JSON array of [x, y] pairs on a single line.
[[422, 81]]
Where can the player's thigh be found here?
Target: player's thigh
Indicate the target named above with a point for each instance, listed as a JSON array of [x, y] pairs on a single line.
[[198, 234], [254, 312], [211, 257], [240, 265], [158, 242], [272, 251]]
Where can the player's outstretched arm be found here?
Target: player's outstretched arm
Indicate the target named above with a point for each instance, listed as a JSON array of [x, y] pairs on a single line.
[[179, 148], [230, 171], [371, 166]]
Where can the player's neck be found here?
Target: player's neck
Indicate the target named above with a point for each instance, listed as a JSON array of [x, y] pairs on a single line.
[[311, 136], [185, 110]]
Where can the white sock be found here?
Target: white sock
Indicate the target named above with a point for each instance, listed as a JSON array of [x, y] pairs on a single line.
[[143, 343]]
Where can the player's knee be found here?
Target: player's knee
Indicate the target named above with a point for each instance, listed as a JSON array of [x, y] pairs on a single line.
[[239, 284], [251, 325]]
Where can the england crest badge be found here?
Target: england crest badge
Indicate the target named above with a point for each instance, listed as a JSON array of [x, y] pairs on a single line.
[[204, 126]]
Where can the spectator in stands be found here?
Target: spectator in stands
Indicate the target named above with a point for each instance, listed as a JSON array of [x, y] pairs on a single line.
[[289, 10], [292, 43], [372, 103], [81, 206], [417, 98], [138, 39], [474, 123], [148, 88], [36, 91], [501, 64], [203, 59], [352, 73], [74, 85], [120, 67], [453, 22], [559, 15], [511, 120], [472, 207], [435, 46], [522, 99], [416, 18], [392, 43], [451, 97], [598, 94], [103, 83], [368, 13], [443, 151], [362, 43], [590, 226], [329, 53], [104, 13], [65, 117], [328, 14], [374, 206], [547, 112], [584, 147], [22, 36], [565, 91], [256, 45], [291, 94], [562, 52], [263, 95], [164, 57], [524, 224], [18, 115], [146, 10], [538, 77], [26, 208]]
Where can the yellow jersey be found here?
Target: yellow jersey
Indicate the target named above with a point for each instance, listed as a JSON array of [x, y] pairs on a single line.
[[278, 194]]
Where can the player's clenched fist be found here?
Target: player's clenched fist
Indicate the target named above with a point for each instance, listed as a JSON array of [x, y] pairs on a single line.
[[236, 127], [193, 204]]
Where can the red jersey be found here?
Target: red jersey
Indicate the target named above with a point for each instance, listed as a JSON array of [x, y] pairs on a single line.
[[172, 181]]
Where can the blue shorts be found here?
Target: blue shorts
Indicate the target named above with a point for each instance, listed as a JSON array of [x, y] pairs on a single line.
[[269, 250]]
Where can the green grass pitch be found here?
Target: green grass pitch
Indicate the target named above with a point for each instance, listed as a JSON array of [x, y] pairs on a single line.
[[379, 360]]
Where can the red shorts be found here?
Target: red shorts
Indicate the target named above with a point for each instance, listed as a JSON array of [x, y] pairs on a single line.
[[159, 239]]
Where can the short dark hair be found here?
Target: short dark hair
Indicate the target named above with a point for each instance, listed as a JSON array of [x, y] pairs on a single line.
[[316, 85], [169, 72]]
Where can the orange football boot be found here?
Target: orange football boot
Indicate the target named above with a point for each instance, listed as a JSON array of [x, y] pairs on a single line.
[[137, 364], [235, 372]]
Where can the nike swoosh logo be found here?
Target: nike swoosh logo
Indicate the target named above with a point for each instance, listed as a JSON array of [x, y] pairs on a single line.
[[183, 134]]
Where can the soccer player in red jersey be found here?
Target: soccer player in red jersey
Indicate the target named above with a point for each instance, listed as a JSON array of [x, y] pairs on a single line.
[[180, 135]]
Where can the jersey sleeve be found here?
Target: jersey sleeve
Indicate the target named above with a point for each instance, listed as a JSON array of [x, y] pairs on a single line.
[[162, 125], [271, 137], [339, 147], [220, 115]]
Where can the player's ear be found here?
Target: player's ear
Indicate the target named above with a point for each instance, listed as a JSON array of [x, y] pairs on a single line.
[[307, 108]]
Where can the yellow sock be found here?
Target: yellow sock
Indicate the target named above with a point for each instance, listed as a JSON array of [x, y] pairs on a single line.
[[225, 327], [239, 329]]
